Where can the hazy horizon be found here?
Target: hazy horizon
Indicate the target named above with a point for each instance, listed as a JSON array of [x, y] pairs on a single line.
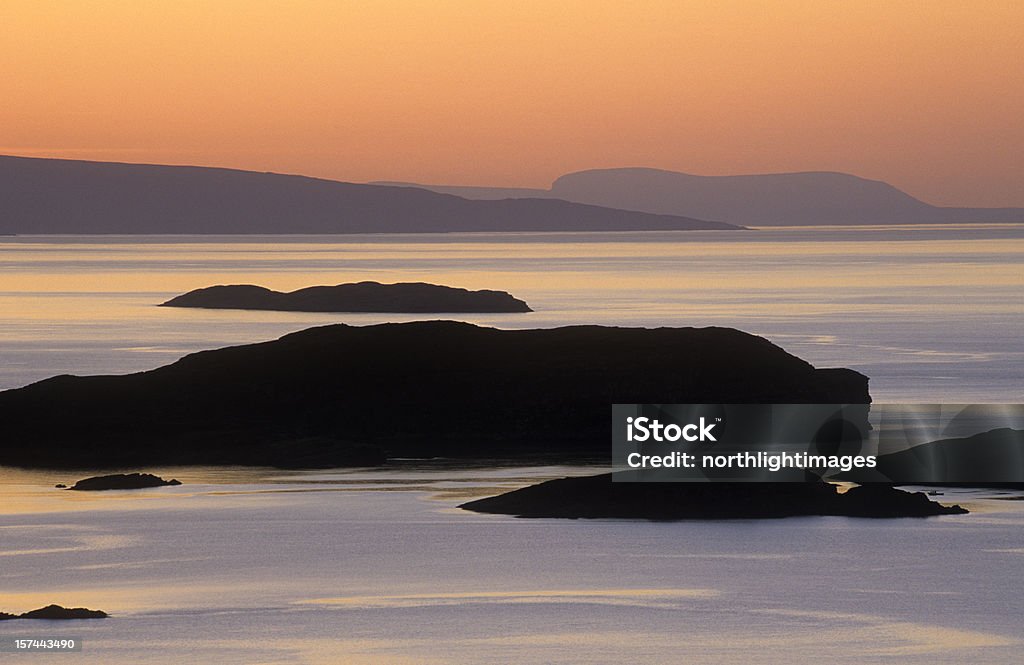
[[917, 95]]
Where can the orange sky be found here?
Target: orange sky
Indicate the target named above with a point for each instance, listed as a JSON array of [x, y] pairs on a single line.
[[927, 95]]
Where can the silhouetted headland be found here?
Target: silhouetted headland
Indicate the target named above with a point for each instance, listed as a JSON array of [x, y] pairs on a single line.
[[48, 196], [56, 612], [988, 459], [123, 481], [413, 297], [819, 197], [344, 395], [599, 497]]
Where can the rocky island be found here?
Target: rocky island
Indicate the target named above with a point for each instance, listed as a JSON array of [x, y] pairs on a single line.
[[599, 497], [352, 395], [412, 297], [56, 612], [122, 481]]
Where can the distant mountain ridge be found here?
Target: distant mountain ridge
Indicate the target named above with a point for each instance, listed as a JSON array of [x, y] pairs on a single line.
[[59, 196], [807, 198]]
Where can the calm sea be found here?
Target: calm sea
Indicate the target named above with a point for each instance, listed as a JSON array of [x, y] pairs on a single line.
[[242, 566], [931, 314]]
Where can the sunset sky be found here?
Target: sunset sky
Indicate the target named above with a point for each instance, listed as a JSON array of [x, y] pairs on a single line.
[[927, 95]]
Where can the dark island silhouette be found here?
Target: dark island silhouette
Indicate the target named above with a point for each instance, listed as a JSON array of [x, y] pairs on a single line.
[[56, 612], [413, 297], [817, 197], [598, 497], [989, 459], [345, 395], [122, 481], [49, 196]]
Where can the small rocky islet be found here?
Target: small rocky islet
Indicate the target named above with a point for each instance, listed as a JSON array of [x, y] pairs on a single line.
[[120, 481], [56, 613]]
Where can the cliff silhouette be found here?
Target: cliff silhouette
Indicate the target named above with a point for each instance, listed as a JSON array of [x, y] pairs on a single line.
[[344, 395]]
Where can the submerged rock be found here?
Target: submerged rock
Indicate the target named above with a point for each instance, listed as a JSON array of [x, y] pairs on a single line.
[[123, 481], [599, 497]]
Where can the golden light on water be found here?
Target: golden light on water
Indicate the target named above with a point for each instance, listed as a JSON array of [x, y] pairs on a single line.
[[174, 267]]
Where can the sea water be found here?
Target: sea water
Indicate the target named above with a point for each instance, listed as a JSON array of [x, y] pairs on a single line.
[[930, 314], [380, 566]]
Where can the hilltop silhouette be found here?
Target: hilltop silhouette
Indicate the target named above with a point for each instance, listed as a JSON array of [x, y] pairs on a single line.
[[344, 395]]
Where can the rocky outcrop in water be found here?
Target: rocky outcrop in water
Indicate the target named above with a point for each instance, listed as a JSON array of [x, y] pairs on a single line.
[[122, 481], [415, 297], [56, 612], [598, 497]]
